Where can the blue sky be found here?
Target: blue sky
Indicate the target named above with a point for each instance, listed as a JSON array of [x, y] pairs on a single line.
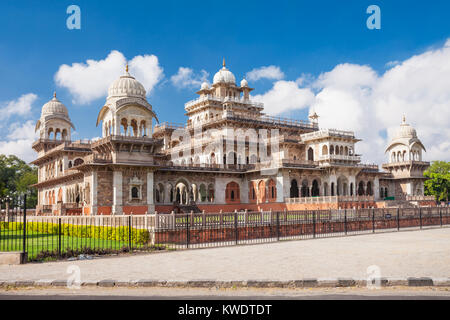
[[299, 37]]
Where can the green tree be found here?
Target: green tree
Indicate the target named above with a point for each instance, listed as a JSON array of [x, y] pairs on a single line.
[[16, 176], [438, 182]]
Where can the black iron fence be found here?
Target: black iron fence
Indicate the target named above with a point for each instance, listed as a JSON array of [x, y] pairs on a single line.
[[45, 238]]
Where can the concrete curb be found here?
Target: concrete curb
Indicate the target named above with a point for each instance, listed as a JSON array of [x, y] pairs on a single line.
[[203, 283]]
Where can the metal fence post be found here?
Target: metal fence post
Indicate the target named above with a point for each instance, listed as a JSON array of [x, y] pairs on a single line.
[[314, 224], [59, 237], [129, 233], [420, 217], [373, 220], [24, 251], [187, 231], [398, 219], [278, 226], [440, 215], [345, 221], [236, 227]]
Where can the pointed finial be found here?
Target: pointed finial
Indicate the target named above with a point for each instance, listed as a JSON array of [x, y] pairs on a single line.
[[54, 94], [404, 119], [126, 68], [224, 62]]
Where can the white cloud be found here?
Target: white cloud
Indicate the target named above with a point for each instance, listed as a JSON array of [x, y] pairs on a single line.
[[146, 70], [186, 78], [90, 81], [285, 96], [355, 97], [19, 142], [21, 106], [23, 131], [269, 72]]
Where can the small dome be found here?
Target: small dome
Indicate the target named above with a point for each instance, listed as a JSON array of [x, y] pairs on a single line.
[[224, 76], [54, 107], [405, 131], [126, 86], [244, 83], [205, 86]]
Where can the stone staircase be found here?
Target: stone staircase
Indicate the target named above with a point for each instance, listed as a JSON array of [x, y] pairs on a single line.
[[188, 208]]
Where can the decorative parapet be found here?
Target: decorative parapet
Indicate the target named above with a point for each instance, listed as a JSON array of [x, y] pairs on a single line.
[[324, 133], [420, 198], [331, 199]]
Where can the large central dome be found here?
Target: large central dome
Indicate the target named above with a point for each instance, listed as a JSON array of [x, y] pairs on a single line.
[[126, 86], [224, 76]]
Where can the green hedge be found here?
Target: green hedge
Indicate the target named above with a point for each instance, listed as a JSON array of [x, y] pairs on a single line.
[[138, 236]]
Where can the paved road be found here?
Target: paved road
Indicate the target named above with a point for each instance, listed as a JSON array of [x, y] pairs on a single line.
[[405, 254], [398, 293]]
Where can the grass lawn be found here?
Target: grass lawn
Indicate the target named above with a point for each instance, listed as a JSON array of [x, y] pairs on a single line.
[[38, 242]]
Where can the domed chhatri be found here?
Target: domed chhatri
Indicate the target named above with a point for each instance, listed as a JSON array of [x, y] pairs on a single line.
[[205, 86], [244, 83], [55, 123], [224, 76], [54, 107], [405, 131], [126, 86], [405, 145]]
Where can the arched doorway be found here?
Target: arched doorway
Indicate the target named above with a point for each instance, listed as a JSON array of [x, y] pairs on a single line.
[[294, 189], [369, 191], [305, 188], [315, 191], [361, 188]]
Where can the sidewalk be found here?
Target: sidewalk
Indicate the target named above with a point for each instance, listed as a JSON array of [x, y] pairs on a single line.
[[399, 255]]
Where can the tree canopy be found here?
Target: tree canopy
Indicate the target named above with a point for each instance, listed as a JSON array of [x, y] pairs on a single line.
[[16, 176], [438, 182]]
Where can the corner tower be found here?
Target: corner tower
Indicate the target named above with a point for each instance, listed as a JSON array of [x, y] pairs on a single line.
[[405, 163]]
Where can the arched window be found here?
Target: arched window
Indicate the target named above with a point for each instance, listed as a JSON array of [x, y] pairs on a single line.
[[211, 195], [331, 149], [272, 190], [324, 150], [134, 193], [332, 189], [310, 154], [78, 162], [232, 194]]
